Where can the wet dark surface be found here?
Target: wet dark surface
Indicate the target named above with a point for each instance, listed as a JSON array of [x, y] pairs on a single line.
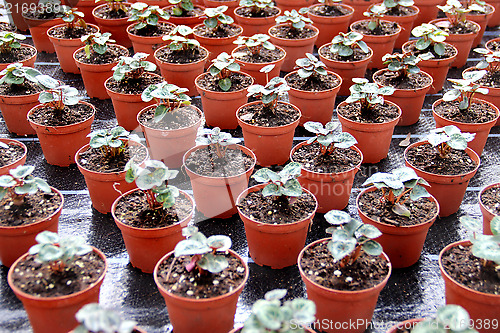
[[413, 292]]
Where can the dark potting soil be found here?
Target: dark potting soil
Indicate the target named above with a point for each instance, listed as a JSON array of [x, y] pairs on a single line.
[[380, 113], [106, 13], [287, 32], [160, 29], [410, 82], [133, 210], [476, 113], [366, 272], [280, 210], [449, 51], [206, 162], [178, 281], [26, 88], [221, 31], [38, 279], [133, 86], [325, 10], [93, 159], [44, 15], [197, 11], [264, 55], [35, 208], [313, 83], [385, 28], [17, 55], [239, 81], [426, 158], [491, 199], [380, 210], [184, 117], [490, 80], [401, 11], [71, 114], [399, 330], [4, 26], [112, 54], [259, 115], [249, 12], [339, 160], [356, 56], [181, 56], [11, 154], [459, 29], [67, 33], [470, 271], [495, 46]]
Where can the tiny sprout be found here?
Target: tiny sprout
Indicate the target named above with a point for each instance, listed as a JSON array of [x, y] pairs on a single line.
[[367, 94], [74, 19], [146, 16], [430, 36], [464, 89], [270, 92], [111, 142], [310, 66], [255, 43], [168, 96], [58, 97], [94, 318], [222, 67], [216, 17], [345, 43], [449, 318], [96, 42], [132, 68], [10, 40], [19, 183], [449, 137], [327, 138], [490, 61], [179, 40], [281, 184], [294, 18], [181, 7], [216, 139]]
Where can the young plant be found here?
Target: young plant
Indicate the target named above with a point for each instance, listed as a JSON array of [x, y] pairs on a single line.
[[269, 93], [404, 64], [396, 185], [180, 42], [19, 183], [10, 40], [17, 74], [344, 44], [96, 42], [217, 140], [203, 251], [153, 179], [456, 12], [146, 16], [430, 38], [132, 68], [327, 138], [58, 252], [222, 67], [294, 18], [464, 89], [216, 18], [256, 43], [94, 318], [257, 6], [449, 137], [111, 142], [181, 7], [375, 13], [350, 238], [270, 315], [168, 96], [367, 94], [74, 19], [490, 61], [115, 6], [395, 4], [310, 68], [58, 97], [450, 318]]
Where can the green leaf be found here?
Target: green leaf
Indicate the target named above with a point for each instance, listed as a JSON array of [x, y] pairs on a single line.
[[269, 315], [341, 245], [453, 316], [495, 225], [47, 237], [337, 217], [190, 247], [401, 210], [212, 263], [219, 242], [210, 22], [275, 294], [271, 190], [369, 231], [225, 84], [22, 171], [372, 248], [439, 48]]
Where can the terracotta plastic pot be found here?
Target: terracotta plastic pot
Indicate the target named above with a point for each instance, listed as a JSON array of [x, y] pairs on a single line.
[[330, 26], [15, 110], [255, 25], [332, 190], [271, 145], [380, 45], [360, 6], [190, 21], [373, 139], [489, 43], [16, 12], [495, 19], [29, 62], [482, 307], [407, 324], [428, 10], [294, 48], [231, 4], [482, 20], [94, 76], [86, 7], [403, 245], [16, 241], [117, 27], [253, 69], [216, 46], [481, 129], [448, 190], [487, 214], [170, 146], [182, 75], [346, 70], [410, 101], [4, 170], [437, 68], [38, 31], [104, 188], [274, 245], [147, 44], [220, 107], [145, 246], [56, 314], [188, 315], [406, 23], [338, 306]]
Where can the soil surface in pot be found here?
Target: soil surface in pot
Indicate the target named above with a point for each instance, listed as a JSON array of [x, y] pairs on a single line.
[[26, 88], [206, 162], [400, 11], [491, 79], [221, 31], [71, 114], [448, 51], [280, 210], [374, 206], [469, 271], [325, 10], [379, 113], [461, 28], [476, 113], [17, 55], [181, 118], [112, 54], [239, 81], [38, 279], [93, 159], [180, 56], [313, 83], [495, 46], [410, 82], [357, 55], [134, 210], [491, 199], [38, 14], [131, 86], [286, 32], [366, 272], [66, 33], [426, 158], [265, 12], [178, 281], [160, 29], [35, 208], [197, 11], [106, 13], [385, 28], [339, 160], [11, 154], [259, 115], [264, 55]]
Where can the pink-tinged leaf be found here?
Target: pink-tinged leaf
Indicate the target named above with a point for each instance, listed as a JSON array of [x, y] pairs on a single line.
[[192, 264]]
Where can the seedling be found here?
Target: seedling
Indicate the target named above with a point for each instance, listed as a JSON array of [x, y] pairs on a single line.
[[180, 42], [10, 40], [270, 315], [115, 5], [399, 186], [269, 93], [181, 7], [255, 43], [447, 138], [216, 139], [404, 64], [58, 97], [490, 61], [430, 37], [94, 318], [169, 98], [146, 16], [449, 318], [216, 18], [58, 252], [203, 251], [327, 138], [153, 179], [74, 19], [464, 89], [389, 4], [310, 68], [222, 67], [375, 13], [96, 42], [294, 18], [367, 94], [111, 142], [456, 12], [19, 183], [257, 6], [350, 238], [132, 68], [17, 74], [344, 44]]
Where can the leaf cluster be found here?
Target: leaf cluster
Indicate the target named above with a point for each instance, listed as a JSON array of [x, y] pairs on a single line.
[[59, 96], [10, 40], [397, 3], [111, 142], [255, 43], [450, 318], [257, 6], [146, 15], [375, 13], [430, 36], [182, 7], [283, 183], [344, 44], [179, 40], [16, 74], [294, 18], [327, 138], [270, 92], [94, 318], [465, 89], [456, 12], [96, 42], [486, 247], [367, 94], [216, 139], [221, 68], [169, 98], [405, 63], [216, 17], [132, 68], [490, 61], [20, 182], [447, 138], [310, 66], [74, 18]]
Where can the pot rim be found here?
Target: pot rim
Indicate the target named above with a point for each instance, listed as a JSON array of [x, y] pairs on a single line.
[[166, 23], [39, 106], [477, 100], [119, 93], [143, 110], [199, 77], [375, 36], [159, 61], [309, 26], [412, 42], [9, 141], [65, 24], [257, 102], [343, 5], [234, 24], [384, 70], [316, 92], [487, 187], [97, 65], [357, 122], [241, 47], [127, 4], [31, 47], [195, 6], [414, 7], [257, 18], [350, 62], [478, 27]]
